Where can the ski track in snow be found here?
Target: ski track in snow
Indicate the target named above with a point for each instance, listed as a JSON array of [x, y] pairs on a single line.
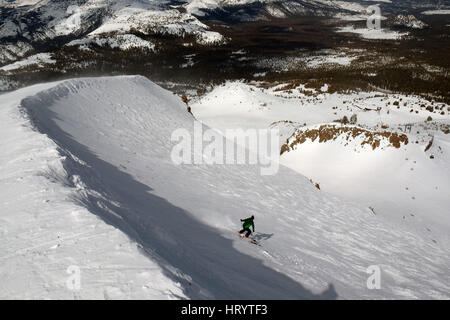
[[112, 159]]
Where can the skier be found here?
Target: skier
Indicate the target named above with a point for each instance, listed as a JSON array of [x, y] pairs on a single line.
[[247, 223]]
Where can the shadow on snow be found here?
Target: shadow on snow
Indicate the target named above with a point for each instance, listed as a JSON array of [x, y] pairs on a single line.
[[190, 252]]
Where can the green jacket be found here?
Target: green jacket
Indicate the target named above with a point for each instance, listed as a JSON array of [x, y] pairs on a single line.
[[247, 223]]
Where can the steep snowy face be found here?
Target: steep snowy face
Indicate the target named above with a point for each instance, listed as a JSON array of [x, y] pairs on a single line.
[[116, 136], [51, 245]]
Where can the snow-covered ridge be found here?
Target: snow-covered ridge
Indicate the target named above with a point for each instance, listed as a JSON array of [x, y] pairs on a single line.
[[46, 229], [276, 8], [149, 19], [114, 142], [40, 59], [119, 41]]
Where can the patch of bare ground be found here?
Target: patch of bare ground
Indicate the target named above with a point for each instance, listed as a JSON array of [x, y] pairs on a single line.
[[328, 132]]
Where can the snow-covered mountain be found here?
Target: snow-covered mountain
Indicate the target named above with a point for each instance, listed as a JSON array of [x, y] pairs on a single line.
[[244, 10], [30, 26], [51, 24], [87, 157]]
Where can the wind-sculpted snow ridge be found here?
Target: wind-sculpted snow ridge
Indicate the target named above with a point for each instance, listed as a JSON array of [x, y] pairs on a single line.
[[45, 232], [114, 135]]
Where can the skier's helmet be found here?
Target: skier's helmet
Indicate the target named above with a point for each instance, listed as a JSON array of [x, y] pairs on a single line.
[[253, 217]]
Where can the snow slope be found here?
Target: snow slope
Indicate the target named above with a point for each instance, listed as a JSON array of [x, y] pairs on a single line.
[[114, 145], [404, 186]]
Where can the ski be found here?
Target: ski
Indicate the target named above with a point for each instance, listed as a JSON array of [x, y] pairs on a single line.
[[250, 240]]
